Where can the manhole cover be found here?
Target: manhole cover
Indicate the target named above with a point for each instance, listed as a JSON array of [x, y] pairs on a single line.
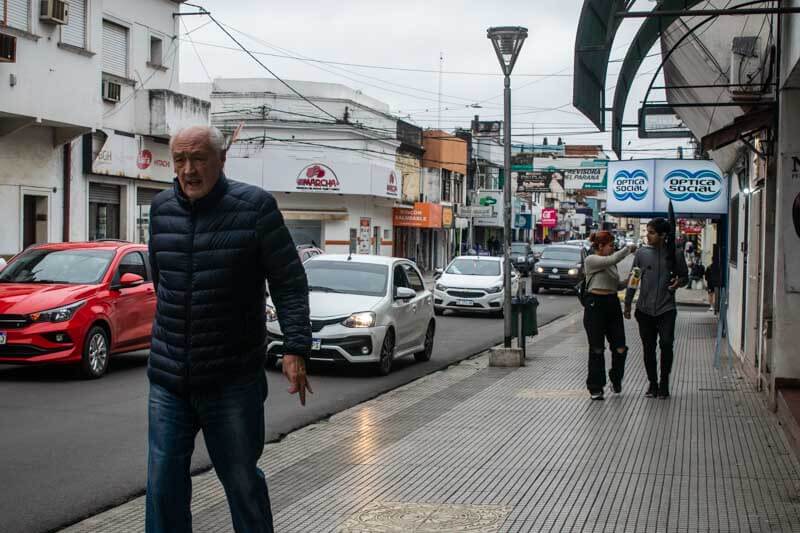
[[552, 393], [394, 517]]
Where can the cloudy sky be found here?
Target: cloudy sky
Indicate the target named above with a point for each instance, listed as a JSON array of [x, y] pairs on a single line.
[[391, 51]]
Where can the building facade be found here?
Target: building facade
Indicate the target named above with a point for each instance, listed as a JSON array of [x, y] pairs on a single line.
[[91, 101]]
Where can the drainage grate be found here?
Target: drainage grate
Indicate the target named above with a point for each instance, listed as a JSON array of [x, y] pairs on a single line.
[[397, 517]]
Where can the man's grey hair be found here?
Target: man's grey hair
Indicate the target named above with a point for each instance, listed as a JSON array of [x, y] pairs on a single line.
[[215, 137]]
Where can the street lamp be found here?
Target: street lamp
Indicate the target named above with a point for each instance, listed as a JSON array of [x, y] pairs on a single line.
[[507, 42]]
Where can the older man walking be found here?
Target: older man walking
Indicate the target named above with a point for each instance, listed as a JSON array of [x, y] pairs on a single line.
[[213, 243]]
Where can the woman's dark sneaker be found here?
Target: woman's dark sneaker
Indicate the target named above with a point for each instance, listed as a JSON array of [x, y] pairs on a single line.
[[597, 395], [663, 390], [652, 391]]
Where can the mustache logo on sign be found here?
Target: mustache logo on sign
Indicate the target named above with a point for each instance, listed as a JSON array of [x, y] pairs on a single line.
[[682, 185], [630, 185]]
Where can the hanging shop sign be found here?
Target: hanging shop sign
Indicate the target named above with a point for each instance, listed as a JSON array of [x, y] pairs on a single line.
[[523, 221], [591, 178], [469, 211], [364, 236], [422, 215], [690, 227], [549, 218], [133, 156], [447, 217], [493, 199], [645, 187], [539, 181]]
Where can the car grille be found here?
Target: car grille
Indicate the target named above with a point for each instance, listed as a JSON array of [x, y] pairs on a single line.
[[13, 321], [317, 325], [561, 271], [466, 294], [22, 350]]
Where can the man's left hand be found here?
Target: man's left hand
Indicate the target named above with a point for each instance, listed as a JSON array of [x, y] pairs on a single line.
[[294, 368], [676, 283]]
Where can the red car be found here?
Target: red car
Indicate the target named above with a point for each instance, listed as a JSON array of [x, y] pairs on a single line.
[[76, 303]]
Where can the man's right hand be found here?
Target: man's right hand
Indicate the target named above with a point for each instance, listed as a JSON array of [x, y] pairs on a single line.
[[627, 313], [294, 368], [632, 247]]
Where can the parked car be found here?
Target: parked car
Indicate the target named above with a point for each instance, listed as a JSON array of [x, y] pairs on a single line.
[[307, 251], [560, 267], [76, 303], [364, 310], [473, 283], [586, 244], [522, 257]]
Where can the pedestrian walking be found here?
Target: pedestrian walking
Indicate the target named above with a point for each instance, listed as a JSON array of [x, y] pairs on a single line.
[[602, 315], [213, 243], [656, 310]]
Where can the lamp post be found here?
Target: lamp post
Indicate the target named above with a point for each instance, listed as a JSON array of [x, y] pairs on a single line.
[[507, 42]]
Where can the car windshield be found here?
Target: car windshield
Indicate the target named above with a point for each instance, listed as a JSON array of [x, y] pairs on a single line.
[[520, 249], [75, 266], [562, 254], [347, 277], [474, 267]]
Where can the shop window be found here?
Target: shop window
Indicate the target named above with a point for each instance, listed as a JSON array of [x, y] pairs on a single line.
[[144, 197], [104, 211]]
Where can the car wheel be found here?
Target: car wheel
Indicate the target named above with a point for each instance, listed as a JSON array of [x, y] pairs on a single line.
[[94, 362], [425, 354], [438, 311], [384, 367]]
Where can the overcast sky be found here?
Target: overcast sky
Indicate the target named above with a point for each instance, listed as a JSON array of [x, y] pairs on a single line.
[[411, 35]]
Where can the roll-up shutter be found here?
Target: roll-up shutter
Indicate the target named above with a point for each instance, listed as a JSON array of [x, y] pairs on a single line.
[[100, 193], [19, 13], [115, 49], [74, 33], [145, 196]]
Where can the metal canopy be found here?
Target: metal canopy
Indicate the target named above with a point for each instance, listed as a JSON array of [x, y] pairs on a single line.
[[647, 36], [597, 28]]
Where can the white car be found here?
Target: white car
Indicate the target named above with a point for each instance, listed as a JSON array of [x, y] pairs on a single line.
[[473, 283], [364, 310]]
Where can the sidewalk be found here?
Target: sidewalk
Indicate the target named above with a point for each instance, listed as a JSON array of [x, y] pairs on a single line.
[[478, 449]]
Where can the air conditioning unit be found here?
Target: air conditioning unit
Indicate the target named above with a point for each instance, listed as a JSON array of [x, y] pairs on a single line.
[[8, 48], [112, 91], [54, 11], [747, 69]]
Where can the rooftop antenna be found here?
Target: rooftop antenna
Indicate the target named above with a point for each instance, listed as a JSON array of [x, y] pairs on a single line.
[[439, 117]]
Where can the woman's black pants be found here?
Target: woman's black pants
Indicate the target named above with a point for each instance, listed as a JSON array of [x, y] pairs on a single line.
[[602, 319]]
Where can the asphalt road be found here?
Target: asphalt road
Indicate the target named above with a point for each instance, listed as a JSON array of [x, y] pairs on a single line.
[[71, 448]]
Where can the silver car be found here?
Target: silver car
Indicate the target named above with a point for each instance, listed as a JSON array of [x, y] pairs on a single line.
[[364, 310]]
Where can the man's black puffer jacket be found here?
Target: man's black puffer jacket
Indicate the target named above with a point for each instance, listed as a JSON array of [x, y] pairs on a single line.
[[210, 260]]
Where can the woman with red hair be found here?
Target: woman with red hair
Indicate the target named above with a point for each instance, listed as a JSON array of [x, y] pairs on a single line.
[[602, 315]]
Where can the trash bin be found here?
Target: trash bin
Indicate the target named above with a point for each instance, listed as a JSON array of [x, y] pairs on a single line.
[[524, 308]]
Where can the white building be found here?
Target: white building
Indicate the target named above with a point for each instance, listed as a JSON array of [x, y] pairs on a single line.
[[331, 165], [88, 101]]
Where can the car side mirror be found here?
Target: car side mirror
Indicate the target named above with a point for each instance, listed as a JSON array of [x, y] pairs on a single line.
[[404, 293], [438, 273], [129, 280]]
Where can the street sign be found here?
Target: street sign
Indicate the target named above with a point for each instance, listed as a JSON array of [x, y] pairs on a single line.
[[470, 211]]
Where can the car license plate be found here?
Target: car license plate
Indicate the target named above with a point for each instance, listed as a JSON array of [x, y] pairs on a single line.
[[3, 337], [316, 344], [467, 303], [554, 276]]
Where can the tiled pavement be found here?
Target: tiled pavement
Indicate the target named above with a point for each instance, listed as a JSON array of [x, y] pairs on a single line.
[[481, 449]]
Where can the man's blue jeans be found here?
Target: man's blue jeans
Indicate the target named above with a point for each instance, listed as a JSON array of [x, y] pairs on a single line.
[[232, 420]]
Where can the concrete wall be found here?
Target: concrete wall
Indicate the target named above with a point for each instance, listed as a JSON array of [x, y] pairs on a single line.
[[737, 276], [409, 166]]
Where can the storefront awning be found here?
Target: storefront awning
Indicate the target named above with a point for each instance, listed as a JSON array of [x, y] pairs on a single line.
[[597, 29], [295, 214]]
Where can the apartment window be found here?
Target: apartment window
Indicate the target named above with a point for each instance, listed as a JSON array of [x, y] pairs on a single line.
[[156, 51], [447, 186], [19, 14], [115, 49], [74, 33]]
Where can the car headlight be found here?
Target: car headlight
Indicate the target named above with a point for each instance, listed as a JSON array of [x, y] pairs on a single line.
[[360, 320], [272, 316], [440, 287], [539, 270], [495, 289], [573, 271], [60, 314]]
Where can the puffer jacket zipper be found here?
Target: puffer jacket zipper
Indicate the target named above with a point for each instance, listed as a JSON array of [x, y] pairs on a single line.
[[192, 221]]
